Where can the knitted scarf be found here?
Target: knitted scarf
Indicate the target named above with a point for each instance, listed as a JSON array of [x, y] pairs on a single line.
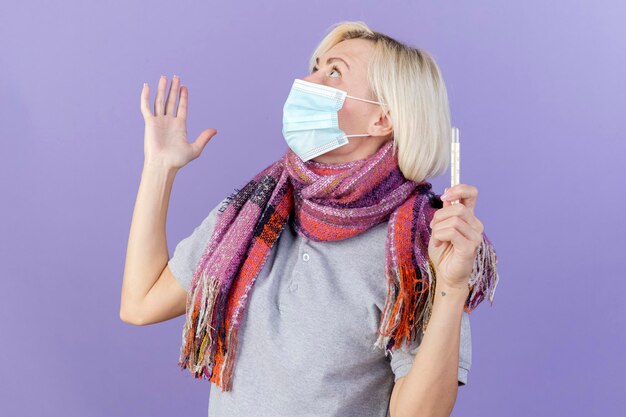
[[325, 202]]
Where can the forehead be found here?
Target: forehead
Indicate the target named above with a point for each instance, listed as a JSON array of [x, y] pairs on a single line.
[[355, 51]]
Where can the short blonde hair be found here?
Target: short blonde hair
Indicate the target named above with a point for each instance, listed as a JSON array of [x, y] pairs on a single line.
[[408, 81]]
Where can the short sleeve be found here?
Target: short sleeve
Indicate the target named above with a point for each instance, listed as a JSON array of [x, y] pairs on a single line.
[[402, 359], [189, 250]]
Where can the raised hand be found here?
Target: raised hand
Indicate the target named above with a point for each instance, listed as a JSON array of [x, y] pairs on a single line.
[[165, 135], [456, 236]]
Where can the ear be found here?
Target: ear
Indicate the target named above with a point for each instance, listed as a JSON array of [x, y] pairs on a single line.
[[381, 125]]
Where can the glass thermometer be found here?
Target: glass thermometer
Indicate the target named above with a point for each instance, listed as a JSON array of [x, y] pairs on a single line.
[[455, 159]]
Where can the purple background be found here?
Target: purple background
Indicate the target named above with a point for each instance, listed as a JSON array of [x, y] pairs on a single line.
[[536, 89]]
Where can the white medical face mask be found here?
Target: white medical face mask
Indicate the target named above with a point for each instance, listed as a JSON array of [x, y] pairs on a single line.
[[310, 119]]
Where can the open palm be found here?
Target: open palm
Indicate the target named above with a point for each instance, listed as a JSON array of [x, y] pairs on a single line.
[[165, 134]]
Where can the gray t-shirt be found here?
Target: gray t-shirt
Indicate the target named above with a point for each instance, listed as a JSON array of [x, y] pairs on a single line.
[[306, 342]]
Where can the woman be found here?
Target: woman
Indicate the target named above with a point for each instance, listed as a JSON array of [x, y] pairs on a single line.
[[309, 291]]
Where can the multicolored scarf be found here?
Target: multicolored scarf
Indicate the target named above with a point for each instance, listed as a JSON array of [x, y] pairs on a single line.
[[328, 202]]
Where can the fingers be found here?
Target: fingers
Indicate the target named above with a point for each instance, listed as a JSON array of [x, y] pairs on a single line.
[[465, 193], [170, 105], [461, 244], [460, 226], [182, 102], [145, 101], [460, 211], [161, 106], [159, 101]]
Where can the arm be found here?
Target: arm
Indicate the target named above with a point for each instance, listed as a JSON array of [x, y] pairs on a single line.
[[149, 292], [430, 388]]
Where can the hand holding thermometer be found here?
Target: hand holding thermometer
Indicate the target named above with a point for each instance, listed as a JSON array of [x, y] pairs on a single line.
[[455, 155]]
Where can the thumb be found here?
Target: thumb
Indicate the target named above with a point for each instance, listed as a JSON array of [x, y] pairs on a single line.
[[202, 140]]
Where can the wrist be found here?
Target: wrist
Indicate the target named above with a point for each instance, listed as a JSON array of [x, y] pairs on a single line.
[[155, 167], [452, 290], [450, 296]]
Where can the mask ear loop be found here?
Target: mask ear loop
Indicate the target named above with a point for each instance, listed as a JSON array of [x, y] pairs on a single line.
[[369, 101], [362, 99]]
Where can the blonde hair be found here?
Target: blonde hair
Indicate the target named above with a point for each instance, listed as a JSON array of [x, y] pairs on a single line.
[[408, 81]]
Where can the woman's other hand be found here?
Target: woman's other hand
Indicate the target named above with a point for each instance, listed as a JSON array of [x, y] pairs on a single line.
[[165, 135], [456, 236]]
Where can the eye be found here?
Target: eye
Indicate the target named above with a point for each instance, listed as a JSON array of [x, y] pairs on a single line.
[[335, 69]]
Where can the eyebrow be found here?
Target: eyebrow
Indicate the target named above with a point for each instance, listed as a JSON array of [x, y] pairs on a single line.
[[332, 59]]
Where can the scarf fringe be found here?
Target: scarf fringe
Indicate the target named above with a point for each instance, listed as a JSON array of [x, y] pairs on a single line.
[[194, 346], [484, 278], [400, 309], [399, 318]]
